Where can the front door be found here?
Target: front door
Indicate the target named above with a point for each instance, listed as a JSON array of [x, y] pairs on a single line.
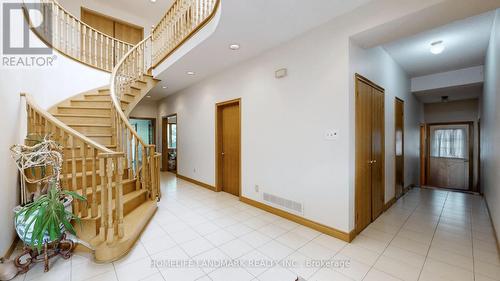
[[449, 156]]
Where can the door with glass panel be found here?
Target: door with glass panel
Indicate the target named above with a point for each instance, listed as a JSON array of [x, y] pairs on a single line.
[[449, 164]]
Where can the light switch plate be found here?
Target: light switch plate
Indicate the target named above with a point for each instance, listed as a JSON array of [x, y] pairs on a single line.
[[332, 134]]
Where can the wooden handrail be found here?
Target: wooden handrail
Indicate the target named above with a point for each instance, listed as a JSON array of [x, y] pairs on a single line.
[[184, 19], [68, 130], [109, 170], [76, 39]]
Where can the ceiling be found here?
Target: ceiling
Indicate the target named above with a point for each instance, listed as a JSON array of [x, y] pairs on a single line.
[[465, 41], [257, 25], [462, 92]]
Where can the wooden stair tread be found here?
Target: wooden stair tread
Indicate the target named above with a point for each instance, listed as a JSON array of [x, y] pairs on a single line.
[[83, 107], [98, 187], [134, 223], [79, 115], [126, 198], [94, 101], [87, 125]]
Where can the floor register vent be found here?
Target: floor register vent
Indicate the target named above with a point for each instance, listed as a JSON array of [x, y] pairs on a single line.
[[293, 206]]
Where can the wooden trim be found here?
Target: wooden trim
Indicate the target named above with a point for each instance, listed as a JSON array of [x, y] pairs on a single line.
[[396, 100], [12, 248], [423, 154], [218, 106], [390, 203], [153, 121], [471, 151], [202, 184], [348, 237], [492, 224], [367, 81], [164, 145], [191, 34]]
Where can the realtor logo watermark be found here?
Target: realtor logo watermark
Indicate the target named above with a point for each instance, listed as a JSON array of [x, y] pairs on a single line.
[[20, 47]]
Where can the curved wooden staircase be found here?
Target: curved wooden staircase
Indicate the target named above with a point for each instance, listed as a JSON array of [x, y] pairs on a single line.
[[104, 157]]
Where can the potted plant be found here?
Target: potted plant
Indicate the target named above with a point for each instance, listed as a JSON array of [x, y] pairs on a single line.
[[46, 218]]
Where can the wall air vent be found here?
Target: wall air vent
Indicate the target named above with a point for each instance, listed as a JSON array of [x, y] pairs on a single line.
[[295, 207]]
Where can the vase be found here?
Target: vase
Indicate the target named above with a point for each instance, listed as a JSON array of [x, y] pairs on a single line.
[[21, 225]]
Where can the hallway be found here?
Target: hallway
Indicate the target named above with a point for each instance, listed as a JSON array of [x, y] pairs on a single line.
[[426, 235]]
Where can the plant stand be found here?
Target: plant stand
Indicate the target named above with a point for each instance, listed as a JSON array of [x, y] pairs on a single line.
[[63, 247]]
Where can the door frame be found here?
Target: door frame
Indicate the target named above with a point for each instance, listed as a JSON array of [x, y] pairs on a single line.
[[218, 143], [164, 144], [423, 154], [470, 124], [396, 100], [153, 121], [356, 203]]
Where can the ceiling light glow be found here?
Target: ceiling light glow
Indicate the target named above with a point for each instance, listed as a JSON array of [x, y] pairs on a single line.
[[190, 73], [437, 47], [152, 1], [234, 47]]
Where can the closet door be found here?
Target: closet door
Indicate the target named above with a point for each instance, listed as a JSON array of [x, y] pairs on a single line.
[[363, 181], [378, 142]]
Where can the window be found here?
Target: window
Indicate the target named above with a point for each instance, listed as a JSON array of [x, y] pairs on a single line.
[[172, 135], [449, 143]]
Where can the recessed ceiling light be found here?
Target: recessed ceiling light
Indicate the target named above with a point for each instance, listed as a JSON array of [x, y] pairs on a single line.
[[164, 87], [437, 47], [148, 96], [234, 47], [152, 1], [190, 73]]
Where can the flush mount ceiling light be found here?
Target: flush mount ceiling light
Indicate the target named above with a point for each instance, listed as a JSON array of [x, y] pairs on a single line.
[[152, 1], [437, 47], [164, 87], [234, 47], [148, 96], [190, 73]]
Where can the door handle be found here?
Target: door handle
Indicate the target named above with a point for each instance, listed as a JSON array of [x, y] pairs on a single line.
[[374, 161], [222, 154]]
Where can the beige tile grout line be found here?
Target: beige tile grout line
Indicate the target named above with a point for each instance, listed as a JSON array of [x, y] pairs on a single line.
[[437, 225], [396, 234]]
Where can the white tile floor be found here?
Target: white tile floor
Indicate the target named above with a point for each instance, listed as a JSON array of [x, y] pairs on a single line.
[[426, 235]]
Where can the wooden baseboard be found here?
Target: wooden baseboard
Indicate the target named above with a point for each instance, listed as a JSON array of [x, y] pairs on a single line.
[[492, 225], [390, 203], [12, 248], [300, 220], [202, 184]]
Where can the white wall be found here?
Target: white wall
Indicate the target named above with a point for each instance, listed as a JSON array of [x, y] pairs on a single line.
[[490, 131], [470, 75], [48, 86], [284, 120], [378, 66]]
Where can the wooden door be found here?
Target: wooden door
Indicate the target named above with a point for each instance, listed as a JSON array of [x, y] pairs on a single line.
[[399, 146], [378, 151], [450, 155], [229, 147], [363, 178], [99, 22], [128, 33], [92, 45]]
